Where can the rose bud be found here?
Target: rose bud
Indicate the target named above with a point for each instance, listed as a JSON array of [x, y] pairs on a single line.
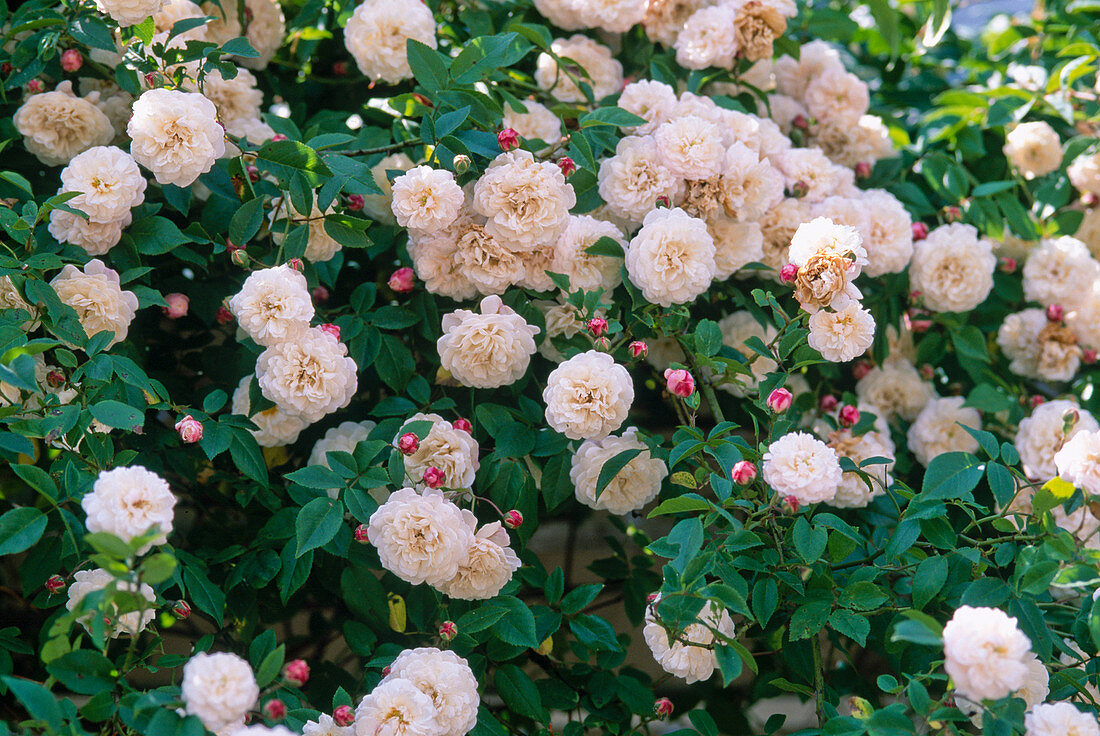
[[402, 280], [177, 305], [339, 68], [663, 201], [361, 534], [434, 477], [181, 609], [55, 584], [1069, 418], [827, 403], [1007, 265], [1055, 313], [463, 424], [779, 400], [861, 368], [849, 416], [320, 294], [355, 202], [920, 231], [680, 382], [253, 174], [743, 473], [791, 504], [800, 189], [408, 443], [296, 672], [652, 598], [279, 137], [448, 630], [1088, 199], [800, 122], [602, 343], [597, 326], [35, 86], [927, 371], [223, 316], [863, 170], [788, 273], [239, 257], [637, 349], [461, 163], [55, 379], [189, 429], [275, 710], [513, 519], [71, 60], [951, 213], [1088, 356], [330, 329], [343, 716], [1036, 400], [508, 139], [567, 166], [296, 264], [663, 708]]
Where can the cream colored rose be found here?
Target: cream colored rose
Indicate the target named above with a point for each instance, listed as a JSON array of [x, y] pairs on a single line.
[[426, 199], [489, 566], [1034, 149], [842, 335], [1060, 271], [398, 708], [939, 429], [708, 39], [219, 688], [421, 538], [320, 246], [587, 271], [526, 203], [100, 303], [454, 451], [671, 259], [952, 268], [175, 135], [895, 387], [58, 125], [310, 376], [748, 186], [736, 244], [275, 427], [604, 72], [690, 656], [130, 502], [486, 350], [1041, 435], [96, 238], [129, 12], [273, 305], [377, 34], [538, 122], [588, 396], [447, 679], [636, 484], [837, 96], [634, 179], [130, 623], [649, 99]]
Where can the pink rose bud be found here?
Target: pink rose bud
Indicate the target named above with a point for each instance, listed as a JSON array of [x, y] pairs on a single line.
[[181, 609], [151, 79], [508, 139], [652, 598], [602, 343], [927, 371], [863, 170], [320, 294], [343, 716], [279, 137], [597, 326], [296, 672], [1036, 400], [800, 189], [253, 174], [402, 280], [951, 213], [1089, 199], [1007, 265], [296, 264], [448, 630], [386, 671], [680, 382], [55, 379], [330, 329], [35, 86], [239, 257], [916, 296], [663, 708], [434, 477], [339, 68], [361, 534], [791, 504], [189, 429], [664, 201], [71, 60], [463, 424], [567, 166], [1088, 356], [1069, 418], [513, 519], [223, 316], [849, 416], [461, 163], [1055, 313], [637, 349], [355, 202], [788, 273], [860, 369], [55, 584], [422, 99], [408, 443], [177, 305], [920, 231], [743, 473], [827, 403], [275, 710], [800, 122], [779, 400]]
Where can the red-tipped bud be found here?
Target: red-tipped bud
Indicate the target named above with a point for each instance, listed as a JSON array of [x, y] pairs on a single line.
[[239, 257], [464, 424], [189, 429], [800, 122], [151, 79], [1036, 400], [508, 139], [567, 166], [448, 630], [253, 174], [927, 371], [791, 504], [951, 213], [652, 598], [176, 305], [827, 403], [662, 708], [355, 202], [434, 477], [71, 60], [402, 280], [800, 189], [513, 519], [296, 672], [181, 609], [296, 264], [743, 473], [597, 326], [423, 100], [663, 201], [55, 379], [408, 443], [320, 294], [779, 400], [361, 534], [602, 344], [1055, 313], [920, 231], [679, 382], [343, 716], [279, 137], [55, 584], [461, 163], [637, 349], [861, 368], [1007, 265], [339, 68], [274, 710], [223, 316], [1088, 356], [788, 273], [849, 416], [330, 329], [35, 86], [863, 170]]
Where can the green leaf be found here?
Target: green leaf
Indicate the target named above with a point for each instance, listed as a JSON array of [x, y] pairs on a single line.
[[681, 504], [809, 618], [117, 415], [295, 156], [427, 65], [316, 476], [20, 528], [517, 625], [951, 475], [317, 523], [38, 701], [156, 235], [918, 628], [158, 568], [206, 596], [240, 47], [809, 542], [614, 116], [248, 458], [886, 19], [852, 625], [577, 599], [594, 632], [246, 221], [928, 580], [519, 693], [729, 663], [612, 467], [270, 666], [708, 337], [606, 246], [764, 600], [862, 595], [84, 671]]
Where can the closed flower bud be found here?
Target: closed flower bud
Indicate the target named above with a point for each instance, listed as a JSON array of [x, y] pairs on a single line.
[[402, 280], [463, 424], [597, 326], [176, 305], [434, 477], [927, 371], [296, 672], [239, 257], [320, 294], [275, 710], [743, 473], [181, 609], [849, 416], [679, 382], [296, 264], [663, 708], [602, 344], [422, 100], [779, 400], [860, 369], [34, 86], [663, 201], [863, 170], [408, 443], [1055, 313], [1007, 265], [800, 122], [567, 166], [355, 202], [1088, 356], [788, 273], [513, 519], [343, 716], [55, 584], [448, 630], [361, 534], [791, 504], [279, 137], [951, 213], [55, 379], [508, 139], [800, 189], [189, 429], [223, 316], [71, 60], [1036, 400], [330, 329], [920, 231], [253, 174], [461, 163], [340, 69], [827, 403], [637, 349]]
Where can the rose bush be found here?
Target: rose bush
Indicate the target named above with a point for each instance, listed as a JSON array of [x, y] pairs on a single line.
[[404, 369]]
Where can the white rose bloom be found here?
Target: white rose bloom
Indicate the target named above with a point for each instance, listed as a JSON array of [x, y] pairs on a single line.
[[130, 623], [736, 244], [1039, 348], [454, 451], [273, 305], [953, 268], [986, 653], [128, 502], [664, 20], [310, 375], [649, 99], [1078, 462], [421, 538], [784, 110], [236, 99], [447, 679], [266, 29], [829, 257], [811, 168], [526, 202], [1089, 230], [440, 263], [170, 13], [96, 238], [895, 387], [129, 12], [614, 16], [689, 656], [396, 707], [426, 199], [342, 438], [1034, 149], [837, 96], [258, 729], [1042, 435], [110, 182], [1084, 173], [99, 301], [800, 465], [634, 179], [635, 485], [1060, 271], [778, 226], [854, 491], [275, 427], [219, 688], [377, 206], [58, 125], [889, 242], [852, 145], [1084, 320], [671, 259], [690, 147], [605, 73], [816, 58], [939, 429], [1060, 719], [486, 350], [377, 33], [10, 298], [253, 130], [538, 123], [737, 328], [708, 39], [588, 396], [586, 271], [325, 726], [489, 566], [844, 335], [749, 186], [176, 135]]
